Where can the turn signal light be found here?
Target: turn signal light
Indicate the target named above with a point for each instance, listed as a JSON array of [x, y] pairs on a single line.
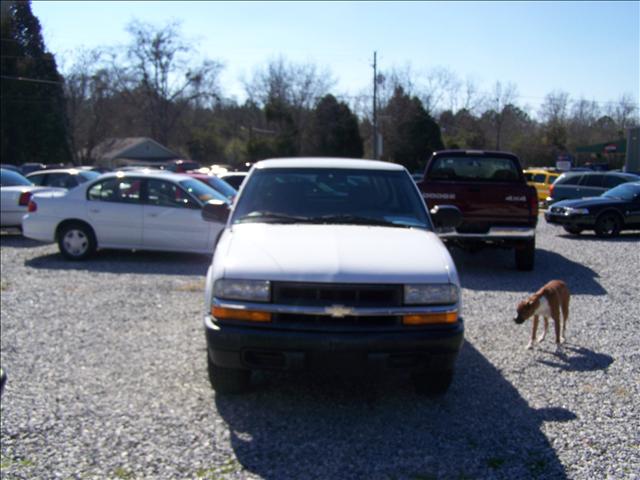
[[32, 207], [430, 318], [222, 313]]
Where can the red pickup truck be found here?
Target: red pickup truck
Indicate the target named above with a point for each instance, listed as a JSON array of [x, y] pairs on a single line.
[[498, 207]]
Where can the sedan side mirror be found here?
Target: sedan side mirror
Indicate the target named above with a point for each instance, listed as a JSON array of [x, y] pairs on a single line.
[[446, 216], [215, 211]]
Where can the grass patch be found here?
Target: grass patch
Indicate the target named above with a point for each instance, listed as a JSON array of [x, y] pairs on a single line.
[[124, 474], [191, 286], [495, 462], [7, 462], [4, 286], [218, 473]]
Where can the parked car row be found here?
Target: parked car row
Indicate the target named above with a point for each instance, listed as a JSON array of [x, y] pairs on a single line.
[[15, 194], [145, 210]]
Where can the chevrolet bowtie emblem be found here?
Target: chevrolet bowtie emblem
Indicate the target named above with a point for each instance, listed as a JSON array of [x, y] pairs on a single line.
[[338, 311]]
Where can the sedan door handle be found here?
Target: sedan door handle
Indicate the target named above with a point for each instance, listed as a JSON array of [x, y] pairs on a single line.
[[153, 214], [94, 210]]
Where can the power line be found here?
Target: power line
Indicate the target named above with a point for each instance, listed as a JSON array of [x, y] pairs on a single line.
[[33, 80]]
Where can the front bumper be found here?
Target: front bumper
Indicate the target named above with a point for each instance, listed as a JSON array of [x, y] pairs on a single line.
[[581, 221], [248, 347], [494, 234]]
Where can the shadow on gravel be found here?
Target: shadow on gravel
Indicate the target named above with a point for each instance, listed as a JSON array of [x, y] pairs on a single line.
[[307, 426], [491, 270], [123, 261], [16, 240], [579, 359], [624, 237]]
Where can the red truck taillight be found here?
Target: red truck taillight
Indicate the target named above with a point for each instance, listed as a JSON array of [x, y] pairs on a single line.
[[24, 199]]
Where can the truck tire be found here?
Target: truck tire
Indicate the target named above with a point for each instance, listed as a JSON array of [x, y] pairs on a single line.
[[432, 382], [228, 380], [76, 241], [526, 255]]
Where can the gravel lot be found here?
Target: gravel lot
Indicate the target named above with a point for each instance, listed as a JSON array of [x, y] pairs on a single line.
[[107, 379]]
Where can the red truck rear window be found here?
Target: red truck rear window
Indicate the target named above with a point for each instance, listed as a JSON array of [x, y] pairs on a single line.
[[474, 169]]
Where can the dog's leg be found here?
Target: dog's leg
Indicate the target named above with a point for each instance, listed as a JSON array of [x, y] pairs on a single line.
[[534, 328], [565, 314], [545, 328]]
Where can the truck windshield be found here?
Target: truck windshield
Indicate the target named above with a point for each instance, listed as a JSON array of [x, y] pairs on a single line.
[[474, 168], [338, 196]]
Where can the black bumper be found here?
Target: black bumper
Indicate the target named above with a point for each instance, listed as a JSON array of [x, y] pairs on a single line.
[[581, 221], [243, 347]]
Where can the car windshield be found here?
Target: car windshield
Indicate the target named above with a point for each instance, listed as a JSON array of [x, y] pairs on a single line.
[[500, 169], [221, 186], [201, 191], [12, 179], [626, 191], [86, 175], [331, 196]]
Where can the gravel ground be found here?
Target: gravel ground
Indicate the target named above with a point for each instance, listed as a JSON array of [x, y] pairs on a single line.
[[107, 379]]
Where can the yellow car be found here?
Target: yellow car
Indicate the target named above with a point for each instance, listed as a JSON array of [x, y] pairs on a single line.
[[541, 180]]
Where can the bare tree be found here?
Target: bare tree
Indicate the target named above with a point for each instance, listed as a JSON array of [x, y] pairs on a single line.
[[87, 90], [624, 112], [298, 85], [289, 91], [501, 97], [161, 78]]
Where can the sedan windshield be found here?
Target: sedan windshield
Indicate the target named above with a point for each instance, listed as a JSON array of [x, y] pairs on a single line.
[[202, 192], [221, 186], [331, 196], [12, 179], [626, 191]]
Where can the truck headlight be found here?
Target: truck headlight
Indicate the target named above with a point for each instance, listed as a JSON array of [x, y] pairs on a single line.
[[430, 294], [250, 290]]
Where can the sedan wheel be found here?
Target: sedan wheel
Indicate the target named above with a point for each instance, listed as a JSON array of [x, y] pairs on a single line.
[[608, 225], [76, 241]]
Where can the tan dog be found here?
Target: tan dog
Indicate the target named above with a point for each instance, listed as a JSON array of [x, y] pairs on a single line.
[[546, 302]]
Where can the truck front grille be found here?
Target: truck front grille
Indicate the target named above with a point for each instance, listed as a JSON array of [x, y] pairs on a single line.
[[325, 322], [328, 294]]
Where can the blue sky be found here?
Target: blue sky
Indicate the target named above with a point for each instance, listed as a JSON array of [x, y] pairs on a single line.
[[588, 49]]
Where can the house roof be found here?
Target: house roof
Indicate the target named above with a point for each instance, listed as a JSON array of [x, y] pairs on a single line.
[[617, 146], [113, 148]]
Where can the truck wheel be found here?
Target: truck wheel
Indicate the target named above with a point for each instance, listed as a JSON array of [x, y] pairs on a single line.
[[526, 255], [432, 382], [608, 225], [572, 230], [228, 380], [76, 241]]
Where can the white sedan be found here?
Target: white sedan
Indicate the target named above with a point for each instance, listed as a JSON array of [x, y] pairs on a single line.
[[15, 193], [137, 210]]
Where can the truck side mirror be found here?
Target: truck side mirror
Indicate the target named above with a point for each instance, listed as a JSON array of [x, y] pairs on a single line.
[[215, 211], [446, 216]]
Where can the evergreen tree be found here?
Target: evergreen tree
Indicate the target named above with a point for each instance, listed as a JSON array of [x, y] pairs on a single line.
[[410, 133], [33, 125], [334, 130]]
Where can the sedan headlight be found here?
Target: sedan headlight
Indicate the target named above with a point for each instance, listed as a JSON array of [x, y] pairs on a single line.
[[576, 211], [250, 290], [430, 294]]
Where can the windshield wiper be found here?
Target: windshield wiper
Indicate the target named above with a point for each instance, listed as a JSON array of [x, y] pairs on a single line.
[[355, 220], [272, 217]]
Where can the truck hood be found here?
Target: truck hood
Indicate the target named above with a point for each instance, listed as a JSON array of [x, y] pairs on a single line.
[[333, 253]]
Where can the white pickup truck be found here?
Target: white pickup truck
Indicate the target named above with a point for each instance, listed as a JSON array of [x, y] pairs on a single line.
[[331, 264]]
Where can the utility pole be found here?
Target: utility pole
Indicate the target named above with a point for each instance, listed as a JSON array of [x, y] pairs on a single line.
[[375, 112]]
